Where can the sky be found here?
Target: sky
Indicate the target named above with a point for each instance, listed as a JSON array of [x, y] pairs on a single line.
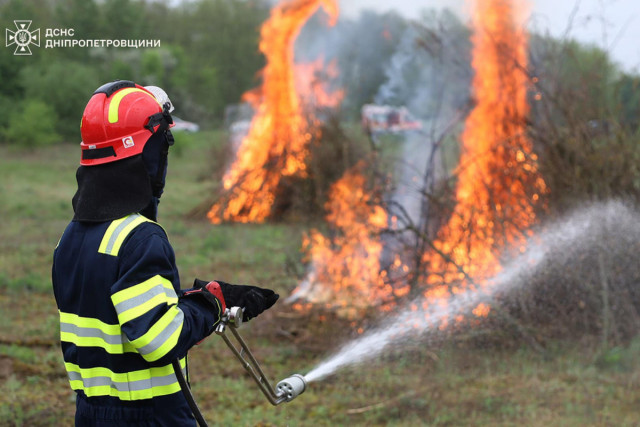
[[610, 24]]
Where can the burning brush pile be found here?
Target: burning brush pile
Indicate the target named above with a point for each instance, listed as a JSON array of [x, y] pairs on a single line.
[[281, 132], [497, 197], [497, 194]]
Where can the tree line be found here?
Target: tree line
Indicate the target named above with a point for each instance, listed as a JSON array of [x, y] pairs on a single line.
[[209, 57]]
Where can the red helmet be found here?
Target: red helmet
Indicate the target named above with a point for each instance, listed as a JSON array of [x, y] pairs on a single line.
[[118, 120]]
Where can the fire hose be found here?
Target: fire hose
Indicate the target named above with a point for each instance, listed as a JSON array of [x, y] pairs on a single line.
[[285, 391]]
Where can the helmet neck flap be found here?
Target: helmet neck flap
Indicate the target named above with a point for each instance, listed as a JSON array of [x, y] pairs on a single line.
[[112, 188]]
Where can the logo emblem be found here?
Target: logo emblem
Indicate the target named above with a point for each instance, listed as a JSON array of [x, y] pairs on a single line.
[[127, 141], [22, 38]]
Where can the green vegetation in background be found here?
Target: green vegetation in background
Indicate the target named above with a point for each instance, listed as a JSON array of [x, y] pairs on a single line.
[[209, 55], [584, 123], [32, 123]]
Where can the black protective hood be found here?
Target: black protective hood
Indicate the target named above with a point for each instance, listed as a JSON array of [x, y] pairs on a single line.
[[111, 190], [132, 185]]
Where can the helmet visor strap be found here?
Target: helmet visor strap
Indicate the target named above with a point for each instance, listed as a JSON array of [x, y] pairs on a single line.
[[155, 156], [163, 120]]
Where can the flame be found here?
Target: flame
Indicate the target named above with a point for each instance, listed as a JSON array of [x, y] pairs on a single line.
[[311, 81], [345, 272], [481, 310], [277, 142], [498, 183]]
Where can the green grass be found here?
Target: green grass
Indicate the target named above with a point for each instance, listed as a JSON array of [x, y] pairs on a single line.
[[451, 384]]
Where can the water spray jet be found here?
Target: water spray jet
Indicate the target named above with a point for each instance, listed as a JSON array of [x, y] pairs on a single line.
[[569, 235]]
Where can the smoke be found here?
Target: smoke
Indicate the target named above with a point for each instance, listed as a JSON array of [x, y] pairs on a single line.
[[418, 161], [430, 71], [430, 74], [407, 59], [408, 8]]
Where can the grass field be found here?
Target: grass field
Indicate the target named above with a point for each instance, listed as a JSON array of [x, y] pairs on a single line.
[[454, 382]]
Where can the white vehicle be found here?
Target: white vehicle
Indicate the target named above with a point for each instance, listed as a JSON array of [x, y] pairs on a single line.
[[386, 118], [183, 125]]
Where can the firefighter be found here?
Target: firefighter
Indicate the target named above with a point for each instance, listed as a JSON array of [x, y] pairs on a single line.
[[123, 315]]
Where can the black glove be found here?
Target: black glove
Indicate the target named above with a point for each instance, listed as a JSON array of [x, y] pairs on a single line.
[[253, 299]]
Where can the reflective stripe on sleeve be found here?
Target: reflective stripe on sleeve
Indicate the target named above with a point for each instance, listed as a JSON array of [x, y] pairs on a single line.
[[139, 299], [90, 332], [163, 335], [136, 385], [118, 231]]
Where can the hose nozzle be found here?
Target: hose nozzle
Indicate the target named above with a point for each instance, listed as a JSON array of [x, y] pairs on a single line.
[[291, 387], [286, 390]]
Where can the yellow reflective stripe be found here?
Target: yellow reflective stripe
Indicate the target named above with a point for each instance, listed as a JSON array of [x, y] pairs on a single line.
[[90, 332], [125, 347], [136, 385], [162, 336], [144, 374], [89, 322], [141, 309], [114, 105], [132, 302], [117, 231]]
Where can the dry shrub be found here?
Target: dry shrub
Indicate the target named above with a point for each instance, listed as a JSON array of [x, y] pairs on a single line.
[[586, 279], [330, 156], [582, 123], [591, 161]]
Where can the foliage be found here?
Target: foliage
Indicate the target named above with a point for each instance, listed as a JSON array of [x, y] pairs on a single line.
[[584, 123], [33, 123], [627, 90], [62, 86], [231, 60], [209, 54], [576, 82]]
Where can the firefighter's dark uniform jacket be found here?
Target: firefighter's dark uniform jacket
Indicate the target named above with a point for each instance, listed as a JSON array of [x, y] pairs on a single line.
[[123, 319]]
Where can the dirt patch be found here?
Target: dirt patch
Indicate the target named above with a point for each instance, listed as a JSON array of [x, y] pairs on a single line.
[[6, 367]]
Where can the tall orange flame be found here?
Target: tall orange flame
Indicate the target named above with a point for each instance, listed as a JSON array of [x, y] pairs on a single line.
[[277, 142], [345, 269], [498, 183]]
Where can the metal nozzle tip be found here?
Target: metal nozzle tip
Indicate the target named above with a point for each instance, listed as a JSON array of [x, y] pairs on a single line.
[[291, 387]]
